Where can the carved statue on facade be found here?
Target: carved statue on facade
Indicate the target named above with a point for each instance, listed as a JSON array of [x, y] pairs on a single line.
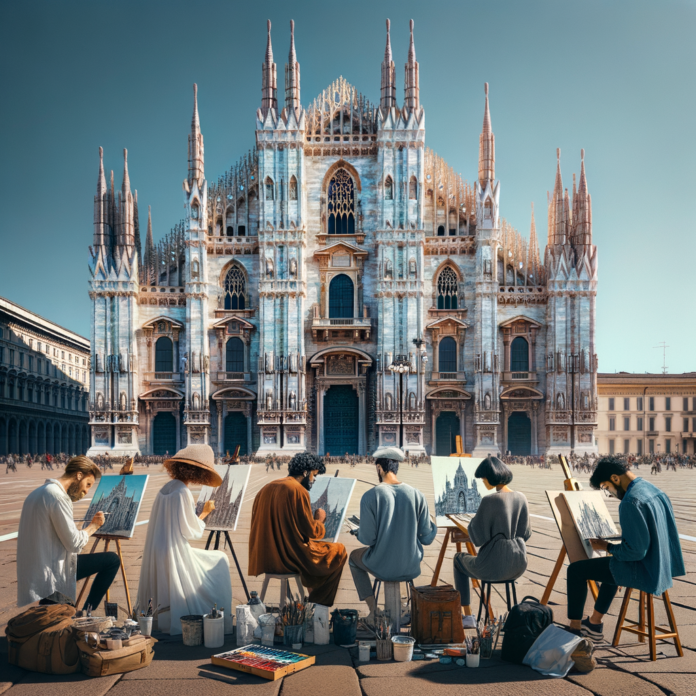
[[100, 401], [206, 363], [412, 267], [412, 401], [123, 401], [183, 363], [560, 401], [388, 269], [293, 401], [196, 402], [269, 267], [293, 268], [388, 402], [269, 400], [487, 401]]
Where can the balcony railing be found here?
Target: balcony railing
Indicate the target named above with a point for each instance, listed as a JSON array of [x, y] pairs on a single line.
[[163, 377], [518, 376], [448, 377], [323, 327], [233, 376]]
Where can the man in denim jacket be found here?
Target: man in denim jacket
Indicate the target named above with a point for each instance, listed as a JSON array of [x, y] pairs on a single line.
[[647, 558]]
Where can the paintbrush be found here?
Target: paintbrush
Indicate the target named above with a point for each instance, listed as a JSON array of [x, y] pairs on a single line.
[[89, 519]]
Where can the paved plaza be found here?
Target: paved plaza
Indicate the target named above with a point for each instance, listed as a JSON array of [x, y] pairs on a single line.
[[180, 670]]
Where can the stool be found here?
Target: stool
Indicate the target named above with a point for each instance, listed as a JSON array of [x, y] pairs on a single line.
[[284, 586], [486, 598], [392, 600], [645, 603]]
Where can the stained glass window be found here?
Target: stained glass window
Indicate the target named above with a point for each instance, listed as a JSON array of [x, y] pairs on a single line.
[[448, 355], [234, 355], [447, 289], [235, 289], [341, 204], [519, 355], [341, 297], [164, 355]]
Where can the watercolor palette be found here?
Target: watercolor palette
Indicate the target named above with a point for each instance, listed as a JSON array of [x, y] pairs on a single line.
[[266, 662]]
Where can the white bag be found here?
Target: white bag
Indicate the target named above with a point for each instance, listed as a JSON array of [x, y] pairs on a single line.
[[246, 623], [550, 653]]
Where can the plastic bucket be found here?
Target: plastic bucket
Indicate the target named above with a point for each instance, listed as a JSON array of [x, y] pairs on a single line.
[[145, 623], [403, 648], [472, 660], [192, 629], [267, 622], [214, 631], [293, 635], [321, 625], [345, 623], [363, 651]]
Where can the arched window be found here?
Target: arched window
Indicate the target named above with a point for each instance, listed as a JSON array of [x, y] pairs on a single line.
[[341, 204], [292, 191], [195, 211], [488, 209], [269, 188], [234, 356], [519, 355], [510, 276], [241, 230], [164, 355], [388, 189], [235, 289], [230, 231], [441, 231], [413, 188], [447, 289], [447, 356], [341, 297]]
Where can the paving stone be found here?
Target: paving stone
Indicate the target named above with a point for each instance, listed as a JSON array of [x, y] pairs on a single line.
[[670, 672], [338, 680], [5, 686], [614, 682], [63, 685], [195, 687]]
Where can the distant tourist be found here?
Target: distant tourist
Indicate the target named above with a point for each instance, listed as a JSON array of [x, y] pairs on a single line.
[[178, 578], [395, 524], [48, 543], [286, 538], [499, 528], [647, 558]]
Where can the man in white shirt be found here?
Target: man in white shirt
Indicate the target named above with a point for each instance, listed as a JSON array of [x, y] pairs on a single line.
[[48, 543]]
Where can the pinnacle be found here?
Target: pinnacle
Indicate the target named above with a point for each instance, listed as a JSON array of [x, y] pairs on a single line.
[[388, 49], [269, 47]]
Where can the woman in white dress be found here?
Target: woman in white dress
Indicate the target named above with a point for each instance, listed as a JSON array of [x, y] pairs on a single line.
[[181, 579]]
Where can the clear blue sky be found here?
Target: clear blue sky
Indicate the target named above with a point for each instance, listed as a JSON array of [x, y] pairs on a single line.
[[615, 78]]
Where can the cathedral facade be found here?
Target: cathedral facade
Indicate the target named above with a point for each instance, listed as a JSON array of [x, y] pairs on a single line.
[[342, 288]]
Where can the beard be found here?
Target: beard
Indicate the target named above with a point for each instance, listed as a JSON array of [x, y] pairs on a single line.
[[379, 476], [74, 492], [620, 492], [307, 483]]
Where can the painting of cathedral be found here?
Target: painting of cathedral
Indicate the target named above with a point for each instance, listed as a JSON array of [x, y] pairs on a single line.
[[228, 497], [119, 498], [456, 488], [591, 517], [332, 494]]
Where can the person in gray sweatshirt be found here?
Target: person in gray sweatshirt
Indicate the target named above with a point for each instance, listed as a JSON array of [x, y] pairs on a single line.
[[499, 528], [395, 524]]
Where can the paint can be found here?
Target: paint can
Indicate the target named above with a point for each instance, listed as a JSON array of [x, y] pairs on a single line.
[[364, 651], [192, 629], [321, 625]]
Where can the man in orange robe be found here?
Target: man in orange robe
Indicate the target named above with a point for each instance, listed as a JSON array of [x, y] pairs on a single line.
[[284, 536]]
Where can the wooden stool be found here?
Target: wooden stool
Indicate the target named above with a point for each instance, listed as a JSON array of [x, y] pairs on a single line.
[[645, 603], [284, 586], [392, 600], [486, 598]]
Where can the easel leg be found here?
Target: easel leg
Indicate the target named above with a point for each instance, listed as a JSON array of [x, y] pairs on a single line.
[[440, 559], [123, 574], [217, 541], [106, 548], [210, 538], [84, 584], [593, 589], [239, 570], [554, 576]]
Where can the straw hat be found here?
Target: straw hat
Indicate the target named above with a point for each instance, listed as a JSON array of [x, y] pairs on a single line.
[[201, 456]]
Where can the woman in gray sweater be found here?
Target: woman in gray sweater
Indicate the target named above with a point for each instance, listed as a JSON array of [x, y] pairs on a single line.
[[499, 528]]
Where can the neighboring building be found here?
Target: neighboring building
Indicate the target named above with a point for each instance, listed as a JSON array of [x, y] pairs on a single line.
[[647, 413], [44, 383], [340, 247]]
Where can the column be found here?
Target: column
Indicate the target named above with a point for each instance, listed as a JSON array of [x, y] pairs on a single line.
[[178, 430], [505, 427], [361, 418], [247, 413], [320, 418], [221, 407], [535, 419], [433, 419], [462, 426]]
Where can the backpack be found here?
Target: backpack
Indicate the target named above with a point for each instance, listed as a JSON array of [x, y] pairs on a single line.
[[41, 639], [436, 615], [524, 624]]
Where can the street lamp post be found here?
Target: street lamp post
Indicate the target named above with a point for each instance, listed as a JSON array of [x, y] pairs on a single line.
[[401, 365]]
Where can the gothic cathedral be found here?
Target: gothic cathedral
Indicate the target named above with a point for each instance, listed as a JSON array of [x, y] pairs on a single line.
[[342, 288]]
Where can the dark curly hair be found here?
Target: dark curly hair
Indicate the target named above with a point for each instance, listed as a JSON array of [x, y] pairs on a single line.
[[305, 462], [605, 469], [188, 473]]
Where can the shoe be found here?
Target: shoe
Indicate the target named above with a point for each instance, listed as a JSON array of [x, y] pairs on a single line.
[[592, 631], [583, 658]]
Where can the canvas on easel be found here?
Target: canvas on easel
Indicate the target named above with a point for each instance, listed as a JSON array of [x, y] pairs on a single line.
[[228, 497], [455, 487], [119, 498], [332, 494], [590, 517]]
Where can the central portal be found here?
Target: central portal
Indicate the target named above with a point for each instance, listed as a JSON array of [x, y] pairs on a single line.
[[341, 420], [519, 434]]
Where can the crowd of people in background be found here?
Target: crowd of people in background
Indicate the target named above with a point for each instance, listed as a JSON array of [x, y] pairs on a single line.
[[273, 462]]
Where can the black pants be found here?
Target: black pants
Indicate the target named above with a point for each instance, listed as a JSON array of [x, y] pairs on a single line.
[[104, 566], [578, 574]]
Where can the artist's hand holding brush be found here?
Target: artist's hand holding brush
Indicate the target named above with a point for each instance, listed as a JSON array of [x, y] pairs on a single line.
[[97, 522], [207, 509], [320, 515]]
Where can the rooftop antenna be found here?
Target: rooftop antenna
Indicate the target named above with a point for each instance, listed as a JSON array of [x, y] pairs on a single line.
[[664, 347]]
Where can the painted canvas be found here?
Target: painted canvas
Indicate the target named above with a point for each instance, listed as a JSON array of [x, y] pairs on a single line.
[[228, 497], [591, 517], [119, 498], [332, 494], [456, 489]]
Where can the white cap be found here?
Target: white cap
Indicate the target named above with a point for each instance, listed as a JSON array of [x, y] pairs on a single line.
[[389, 453]]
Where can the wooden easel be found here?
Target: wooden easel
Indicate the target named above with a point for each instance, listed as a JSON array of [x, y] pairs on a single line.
[[570, 484], [217, 534], [107, 539]]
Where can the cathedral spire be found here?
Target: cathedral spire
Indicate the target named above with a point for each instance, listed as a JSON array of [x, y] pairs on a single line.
[[292, 73], [195, 145], [125, 188], [412, 84], [583, 221], [558, 217], [101, 205], [388, 87], [486, 147], [125, 208], [148, 275], [269, 85], [136, 228]]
